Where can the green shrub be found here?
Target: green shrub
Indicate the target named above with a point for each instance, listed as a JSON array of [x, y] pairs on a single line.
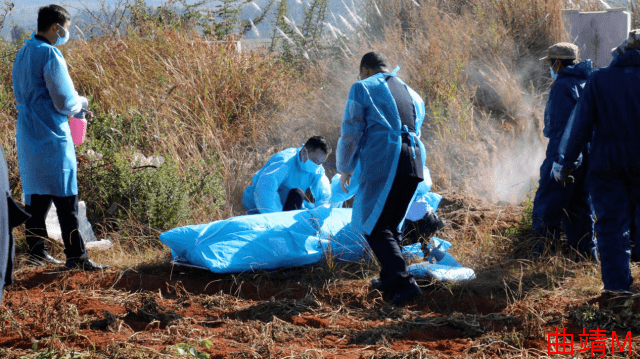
[[118, 182]]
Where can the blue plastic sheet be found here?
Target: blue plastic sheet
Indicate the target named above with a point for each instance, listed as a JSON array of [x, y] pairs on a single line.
[[289, 239], [267, 241], [441, 265]]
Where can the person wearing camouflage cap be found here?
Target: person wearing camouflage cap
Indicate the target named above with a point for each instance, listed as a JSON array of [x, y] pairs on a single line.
[[566, 203], [607, 116], [563, 51]]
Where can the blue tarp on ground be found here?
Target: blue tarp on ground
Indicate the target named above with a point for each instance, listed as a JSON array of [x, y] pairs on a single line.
[[267, 241], [281, 240]]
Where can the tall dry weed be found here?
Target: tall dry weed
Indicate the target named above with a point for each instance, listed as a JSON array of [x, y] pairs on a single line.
[[475, 63]]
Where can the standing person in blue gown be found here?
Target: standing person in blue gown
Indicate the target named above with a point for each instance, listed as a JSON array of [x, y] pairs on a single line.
[[381, 131], [45, 97]]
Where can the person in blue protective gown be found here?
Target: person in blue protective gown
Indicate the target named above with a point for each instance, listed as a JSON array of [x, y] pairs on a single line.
[[381, 131], [280, 185], [607, 115], [45, 97], [569, 203]]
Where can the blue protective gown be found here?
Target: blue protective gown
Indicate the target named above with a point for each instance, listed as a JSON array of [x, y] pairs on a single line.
[[283, 172], [554, 203], [45, 96], [339, 196], [607, 115], [371, 134]]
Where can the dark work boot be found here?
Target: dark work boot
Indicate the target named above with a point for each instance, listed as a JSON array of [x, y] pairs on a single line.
[[407, 293], [84, 264]]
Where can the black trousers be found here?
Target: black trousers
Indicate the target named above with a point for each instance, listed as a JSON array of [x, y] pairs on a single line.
[[294, 200], [36, 230], [385, 239]]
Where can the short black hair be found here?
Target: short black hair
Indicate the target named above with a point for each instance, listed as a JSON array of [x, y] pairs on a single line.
[[374, 60], [318, 142], [52, 14], [566, 62]]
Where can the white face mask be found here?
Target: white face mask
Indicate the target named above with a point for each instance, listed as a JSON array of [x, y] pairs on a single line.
[[63, 39], [309, 165], [554, 75]]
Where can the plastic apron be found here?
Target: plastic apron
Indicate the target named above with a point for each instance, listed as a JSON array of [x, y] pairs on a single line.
[[372, 134]]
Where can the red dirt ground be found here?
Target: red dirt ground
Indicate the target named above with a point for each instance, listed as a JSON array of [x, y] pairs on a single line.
[[299, 313], [143, 315]]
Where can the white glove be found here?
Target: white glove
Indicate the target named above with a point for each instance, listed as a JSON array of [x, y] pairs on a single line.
[[85, 102], [562, 174]]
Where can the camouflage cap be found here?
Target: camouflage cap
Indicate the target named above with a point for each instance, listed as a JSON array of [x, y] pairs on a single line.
[[563, 51], [632, 42]]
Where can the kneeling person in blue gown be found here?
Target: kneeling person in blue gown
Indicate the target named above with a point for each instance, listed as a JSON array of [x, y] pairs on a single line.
[[280, 185]]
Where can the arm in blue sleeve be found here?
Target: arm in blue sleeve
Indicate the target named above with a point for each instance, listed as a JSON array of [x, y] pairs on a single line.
[[321, 191], [265, 191], [579, 129], [352, 130], [562, 101], [56, 76]]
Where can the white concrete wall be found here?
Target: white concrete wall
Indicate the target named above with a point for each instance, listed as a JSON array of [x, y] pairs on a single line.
[[597, 32]]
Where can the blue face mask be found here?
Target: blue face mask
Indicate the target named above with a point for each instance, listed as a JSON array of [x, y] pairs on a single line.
[[309, 165], [62, 39], [554, 75]]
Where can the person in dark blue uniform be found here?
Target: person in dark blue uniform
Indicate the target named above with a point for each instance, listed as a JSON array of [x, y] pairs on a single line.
[[554, 202], [11, 215], [608, 116]]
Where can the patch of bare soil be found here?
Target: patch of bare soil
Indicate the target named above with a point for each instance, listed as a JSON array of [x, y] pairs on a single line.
[[307, 312]]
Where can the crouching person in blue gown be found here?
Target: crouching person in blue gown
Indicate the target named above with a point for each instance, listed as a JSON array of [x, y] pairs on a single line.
[[607, 115], [381, 131], [45, 97], [280, 185], [566, 203]]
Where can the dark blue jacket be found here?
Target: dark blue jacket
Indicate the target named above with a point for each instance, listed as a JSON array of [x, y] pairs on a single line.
[[608, 116], [11, 215], [563, 97]]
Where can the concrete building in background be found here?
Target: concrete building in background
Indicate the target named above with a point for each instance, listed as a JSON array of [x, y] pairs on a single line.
[[597, 32]]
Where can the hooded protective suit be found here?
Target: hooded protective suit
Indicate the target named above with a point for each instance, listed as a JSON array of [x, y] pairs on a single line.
[[607, 115], [372, 134], [554, 203], [45, 96], [283, 172]]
